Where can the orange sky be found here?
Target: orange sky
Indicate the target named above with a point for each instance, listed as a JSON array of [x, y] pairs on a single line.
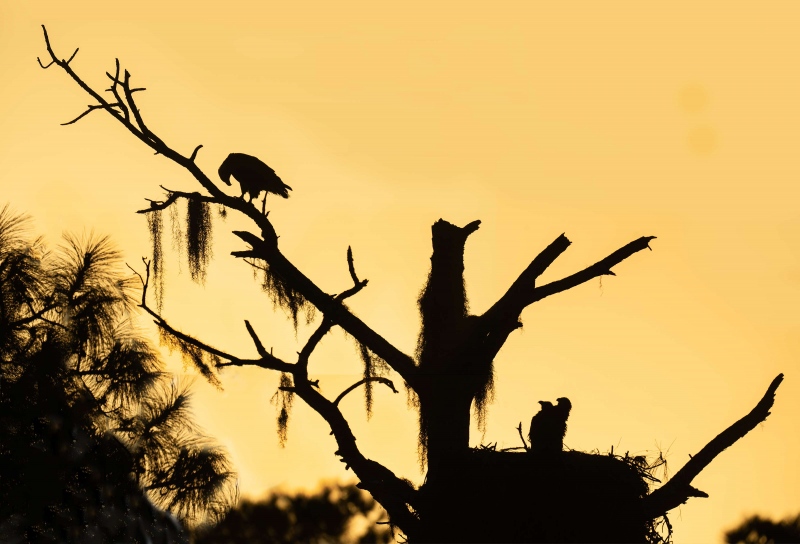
[[604, 120]]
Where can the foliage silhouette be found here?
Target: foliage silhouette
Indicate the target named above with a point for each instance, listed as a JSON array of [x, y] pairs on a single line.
[[331, 515], [469, 495], [93, 430], [758, 530]]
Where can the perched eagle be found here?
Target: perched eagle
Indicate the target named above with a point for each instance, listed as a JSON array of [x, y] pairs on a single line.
[[253, 175], [549, 426]]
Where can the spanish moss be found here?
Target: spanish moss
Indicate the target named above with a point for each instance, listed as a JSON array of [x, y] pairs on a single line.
[[412, 401], [198, 238], [155, 225], [484, 397], [283, 296], [203, 361], [374, 366], [284, 398], [178, 236]]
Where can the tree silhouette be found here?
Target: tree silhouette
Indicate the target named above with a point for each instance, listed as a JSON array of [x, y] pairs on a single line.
[[758, 530], [469, 494], [93, 430], [327, 516]]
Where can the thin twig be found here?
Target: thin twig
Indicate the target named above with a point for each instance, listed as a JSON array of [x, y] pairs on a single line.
[[270, 361], [351, 266], [358, 285], [256, 340], [172, 197], [73, 56], [193, 156], [267, 360], [115, 82], [386, 381], [90, 109], [519, 430]]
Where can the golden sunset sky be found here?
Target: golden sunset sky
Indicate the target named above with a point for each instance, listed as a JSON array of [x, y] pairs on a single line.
[[604, 120]]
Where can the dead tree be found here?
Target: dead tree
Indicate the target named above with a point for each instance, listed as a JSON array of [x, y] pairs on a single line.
[[570, 496]]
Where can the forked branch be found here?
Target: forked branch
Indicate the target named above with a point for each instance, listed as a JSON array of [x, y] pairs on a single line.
[[172, 197], [499, 321], [600, 268], [524, 292], [327, 323], [394, 494]]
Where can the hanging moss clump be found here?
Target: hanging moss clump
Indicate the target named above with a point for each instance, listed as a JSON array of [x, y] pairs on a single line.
[[374, 366], [283, 296], [484, 397], [198, 238], [202, 360], [155, 226], [284, 398], [178, 238]]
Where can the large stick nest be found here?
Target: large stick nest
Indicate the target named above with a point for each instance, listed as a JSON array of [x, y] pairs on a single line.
[[571, 496]]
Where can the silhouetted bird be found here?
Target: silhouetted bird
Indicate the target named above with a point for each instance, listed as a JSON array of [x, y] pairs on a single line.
[[253, 175], [549, 426]]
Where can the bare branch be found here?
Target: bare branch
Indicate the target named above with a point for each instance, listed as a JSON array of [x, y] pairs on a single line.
[[73, 56], [193, 156], [144, 283], [523, 291], [126, 89], [269, 361], [358, 285], [145, 280], [519, 430], [352, 291], [65, 66], [259, 346], [172, 197], [90, 109], [524, 284], [394, 494], [116, 82], [351, 266], [386, 381], [499, 321], [327, 323], [678, 490], [313, 341]]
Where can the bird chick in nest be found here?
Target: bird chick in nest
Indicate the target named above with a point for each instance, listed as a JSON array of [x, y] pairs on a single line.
[[549, 426]]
